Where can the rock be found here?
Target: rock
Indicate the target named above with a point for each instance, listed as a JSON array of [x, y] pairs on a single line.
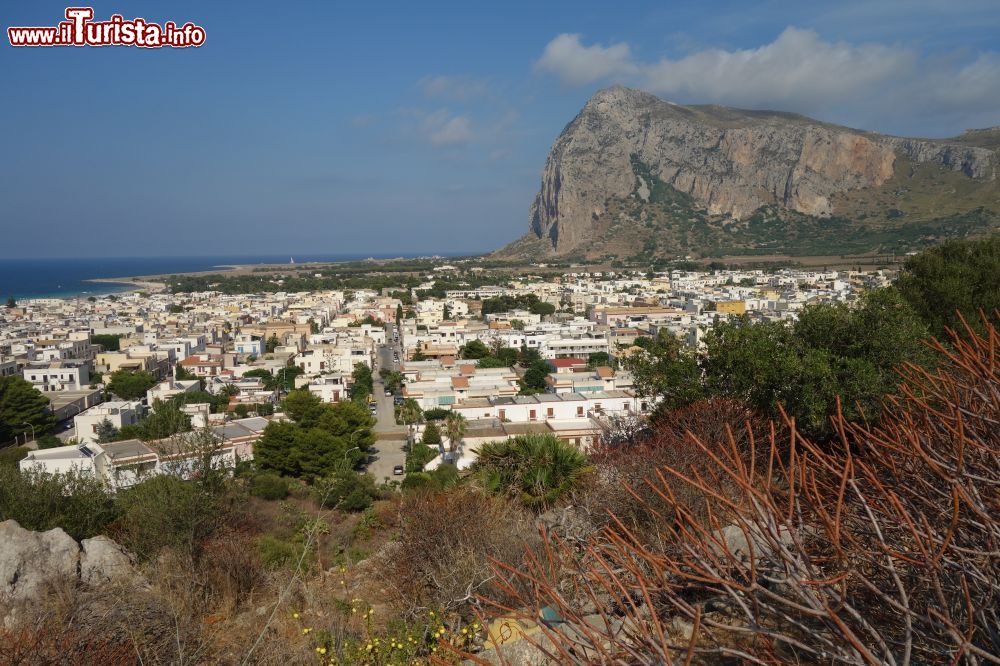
[[730, 162], [102, 560], [32, 561]]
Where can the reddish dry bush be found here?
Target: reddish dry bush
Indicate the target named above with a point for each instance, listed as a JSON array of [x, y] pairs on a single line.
[[441, 559], [883, 548], [47, 645], [623, 486], [229, 567]]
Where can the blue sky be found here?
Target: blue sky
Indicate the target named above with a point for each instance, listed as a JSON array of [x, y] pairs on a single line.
[[420, 127]]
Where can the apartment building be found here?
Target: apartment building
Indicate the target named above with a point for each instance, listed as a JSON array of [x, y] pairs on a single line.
[[63, 375]]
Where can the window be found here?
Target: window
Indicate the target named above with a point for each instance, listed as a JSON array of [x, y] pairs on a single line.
[[579, 411], [550, 412], [532, 415], [503, 414]]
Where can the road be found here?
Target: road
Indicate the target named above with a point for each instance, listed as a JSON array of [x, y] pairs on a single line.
[[390, 436]]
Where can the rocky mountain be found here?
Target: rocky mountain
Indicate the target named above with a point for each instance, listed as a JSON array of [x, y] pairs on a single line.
[[633, 175]]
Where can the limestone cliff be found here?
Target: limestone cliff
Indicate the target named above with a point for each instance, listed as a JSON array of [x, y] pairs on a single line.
[[726, 165]]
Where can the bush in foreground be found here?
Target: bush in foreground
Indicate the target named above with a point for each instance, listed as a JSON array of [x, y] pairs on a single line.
[[881, 547]]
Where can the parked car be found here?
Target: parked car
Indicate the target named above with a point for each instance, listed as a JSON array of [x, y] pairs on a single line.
[[398, 470], [388, 393]]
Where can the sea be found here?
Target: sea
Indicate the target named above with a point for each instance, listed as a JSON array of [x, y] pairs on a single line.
[[67, 278]]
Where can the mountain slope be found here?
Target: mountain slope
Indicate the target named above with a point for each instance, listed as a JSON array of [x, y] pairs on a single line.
[[633, 175]]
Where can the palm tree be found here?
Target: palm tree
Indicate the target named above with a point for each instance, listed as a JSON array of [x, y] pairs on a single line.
[[455, 426], [410, 413], [536, 469]]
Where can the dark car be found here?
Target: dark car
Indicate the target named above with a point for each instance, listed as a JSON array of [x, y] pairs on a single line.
[[398, 470]]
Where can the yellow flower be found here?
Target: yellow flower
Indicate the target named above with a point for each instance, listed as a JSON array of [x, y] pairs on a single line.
[[321, 650], [369, 647], [295, 615], [306, 630]]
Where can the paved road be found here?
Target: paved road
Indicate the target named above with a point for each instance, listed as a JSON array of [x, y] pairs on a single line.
[[391, 437]]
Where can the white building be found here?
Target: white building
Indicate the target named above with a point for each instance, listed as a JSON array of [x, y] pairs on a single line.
[[58, 376], [119, 413]]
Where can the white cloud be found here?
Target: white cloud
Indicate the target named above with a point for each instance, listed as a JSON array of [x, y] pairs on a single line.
[[876, 86], [797, 70], [441, 128], [460, 88], [576, 64]]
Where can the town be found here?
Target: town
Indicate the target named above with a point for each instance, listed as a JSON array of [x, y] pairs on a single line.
[[531, 354]]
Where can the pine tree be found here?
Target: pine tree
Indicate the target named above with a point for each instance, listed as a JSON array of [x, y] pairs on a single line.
[[21, 407]]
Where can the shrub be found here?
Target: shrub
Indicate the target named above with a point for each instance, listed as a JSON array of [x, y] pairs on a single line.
[[445, 540], [166, 511], [269, 487], [79, 504], [535, 469], [10, 456], [348, 491], [275, 552], [437, 414], [49, 441], [878, 547]]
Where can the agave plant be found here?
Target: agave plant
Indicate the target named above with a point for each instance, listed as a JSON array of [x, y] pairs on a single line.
[[536, 469]]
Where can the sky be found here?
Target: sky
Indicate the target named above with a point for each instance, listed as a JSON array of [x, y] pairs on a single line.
[[420, 127]]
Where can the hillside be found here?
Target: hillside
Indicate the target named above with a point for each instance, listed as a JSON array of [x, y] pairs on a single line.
[[635, 176]]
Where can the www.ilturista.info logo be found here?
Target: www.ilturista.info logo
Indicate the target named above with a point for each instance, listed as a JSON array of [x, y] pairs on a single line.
[[79, 29]]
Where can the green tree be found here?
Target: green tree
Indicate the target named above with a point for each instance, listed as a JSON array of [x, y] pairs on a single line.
[[833, 351], [598, 359], [534, 379], [455, 426], [665, 369], [286, 376], [270, 381], [535, 469], [410, 414], [271, 344], [399, 314], [274, 451], [182, 374], [529, 356], [446, 312], [106, 432], [108, 342], [431, 436], [961, 275], [517, 324], [333, 436], [131, 385], [392, 379], [22, 408], [491, 362], [418, 356], [362, 386], [11, 302], [303, 407], [473, 350], [507, 355]]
